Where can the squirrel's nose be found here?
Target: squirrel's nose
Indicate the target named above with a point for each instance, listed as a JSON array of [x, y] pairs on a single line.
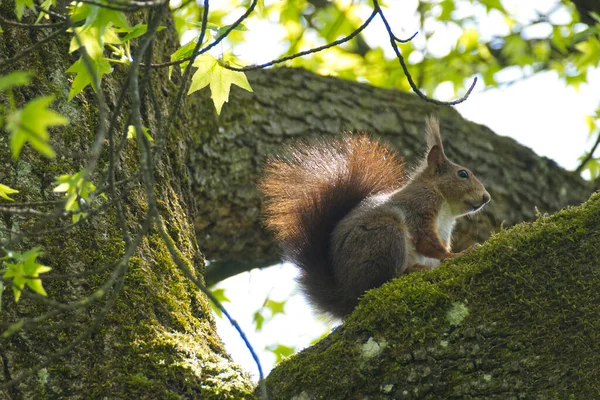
[[486, 198]]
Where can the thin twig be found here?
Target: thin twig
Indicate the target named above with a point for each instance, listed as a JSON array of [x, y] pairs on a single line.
[[306, 52], [34, 46], [411, 82], [588, 156], [30, 26], [218, 40]]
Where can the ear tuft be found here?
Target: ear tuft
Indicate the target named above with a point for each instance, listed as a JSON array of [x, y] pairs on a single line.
[[432, 133]]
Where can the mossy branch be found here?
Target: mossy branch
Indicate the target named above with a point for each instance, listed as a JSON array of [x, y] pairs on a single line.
[[517, 318]]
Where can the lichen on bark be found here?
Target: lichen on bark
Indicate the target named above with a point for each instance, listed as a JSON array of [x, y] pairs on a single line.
[[516, 318]]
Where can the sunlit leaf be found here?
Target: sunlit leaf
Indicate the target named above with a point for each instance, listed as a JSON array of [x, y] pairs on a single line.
[[589, 52], [281, 351], [183, 52], [20, 7], [131, 133], [468, 40], [493, 5], [17, 78], [211, 72], [83, 78], [276, 307], [592, 166], [25, 271], [448, 7], [239, 27], [30, 124], [90, 38], [135, 32], [221, 298], [258, 320], [77, 190], [5, 191], [590, 121]]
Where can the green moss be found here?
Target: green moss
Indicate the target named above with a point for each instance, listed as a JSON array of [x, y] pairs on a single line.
[[158, 341], [518, 317]]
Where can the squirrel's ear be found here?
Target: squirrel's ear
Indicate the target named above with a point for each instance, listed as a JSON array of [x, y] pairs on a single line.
[[435, 158]]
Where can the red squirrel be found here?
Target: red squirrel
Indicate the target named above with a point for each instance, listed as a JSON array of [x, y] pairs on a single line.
[[347, 214]]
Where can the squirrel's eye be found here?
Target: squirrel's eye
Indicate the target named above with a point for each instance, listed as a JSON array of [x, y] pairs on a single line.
[[462, 174]]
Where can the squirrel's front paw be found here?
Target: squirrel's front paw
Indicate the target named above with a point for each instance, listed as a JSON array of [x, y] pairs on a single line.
[[470, 248], [416, 268]]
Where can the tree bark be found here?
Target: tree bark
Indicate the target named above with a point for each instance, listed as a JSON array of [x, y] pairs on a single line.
[[515, 319], [158, 340]]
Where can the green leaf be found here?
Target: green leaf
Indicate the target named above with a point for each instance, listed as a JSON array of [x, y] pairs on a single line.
[[98, 16], [90, 38], [1, 293], [281, 351], [592, 165], [589, 52], [223, 29], [447, 8], [276, 307], [31, 123], [135, 32], [221, 298], [25, 271], [17, 78], [131, 133], [590, 121], [83, 78], [493, 4], [515, 49], [184, 51], [77, 190], [5, 191], [258, 320], [211, 72], [468, 40], [20, 7], [559, 40]]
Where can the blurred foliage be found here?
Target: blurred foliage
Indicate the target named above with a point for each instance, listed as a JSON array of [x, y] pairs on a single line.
[[553, 39], [499, 41]]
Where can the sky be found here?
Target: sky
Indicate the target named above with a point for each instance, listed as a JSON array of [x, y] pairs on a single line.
[[539, 112]]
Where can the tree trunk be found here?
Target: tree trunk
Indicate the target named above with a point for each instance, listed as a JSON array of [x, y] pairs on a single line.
[[158, 340], [515, 319]]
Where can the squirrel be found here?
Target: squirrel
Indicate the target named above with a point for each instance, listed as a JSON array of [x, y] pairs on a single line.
[[347, 214]]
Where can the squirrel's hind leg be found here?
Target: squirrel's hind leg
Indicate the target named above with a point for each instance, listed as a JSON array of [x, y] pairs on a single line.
[[369, 247]]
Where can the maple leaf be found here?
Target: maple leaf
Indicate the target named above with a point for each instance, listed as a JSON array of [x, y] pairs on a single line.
[[30, 124], [5, 191], [211, 72], [20, 7], [83, 78], [26, 271]]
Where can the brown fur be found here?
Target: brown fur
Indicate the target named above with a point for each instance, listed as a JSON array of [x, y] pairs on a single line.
[[311, 189], [347, 216]]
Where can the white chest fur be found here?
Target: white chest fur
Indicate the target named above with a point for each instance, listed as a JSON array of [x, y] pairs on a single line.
[[445, 225]]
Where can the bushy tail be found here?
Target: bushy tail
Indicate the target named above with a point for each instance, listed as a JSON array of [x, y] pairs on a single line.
[[309, 190]]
